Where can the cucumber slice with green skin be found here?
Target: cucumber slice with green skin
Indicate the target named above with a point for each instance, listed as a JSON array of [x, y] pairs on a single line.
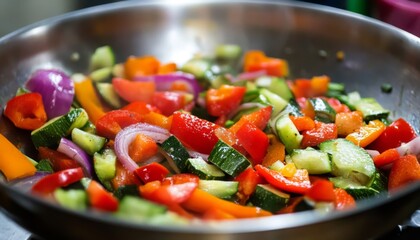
[[316, 162], [275, 85], [51, 132], [104, 164], [293, 108], [218, 188], [101, 74], [307, 204], [126, 190], [44, 166], [275, 100], [323, 111], [228, 159], [103, 57], [204, 170], [177, 152], [269, 198], [136, 208], [75, 199], [375, 187], [287, 132], [108, 94], [89, 142], [228, 52], [89, 127], [371, 109], [349, 160], [197, 67]]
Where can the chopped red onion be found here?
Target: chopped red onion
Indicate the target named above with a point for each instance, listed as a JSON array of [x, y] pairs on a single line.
[[195, 154], [164, 81], [372, 153], [246, 76], [75, 152], [412, 147], [26, 183], [128, 134], [56, 88]]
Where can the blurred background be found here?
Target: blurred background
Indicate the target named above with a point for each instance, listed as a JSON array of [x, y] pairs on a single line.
[[15, 14]]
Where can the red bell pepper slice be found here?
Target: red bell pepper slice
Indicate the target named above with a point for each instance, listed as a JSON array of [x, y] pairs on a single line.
[[248, 180], [168, 102], [254, 140], [26, 111], [56, 180], [140, 107], [197, 133], [224, 100], [112, 122], [299, 183], [124, 177], [58, 160], [322, 132], [101, 199], [259, 118], [256, 60], [343, 200], [152, 172], [403, 171], [394, 135], [322, 190], [132, 91], [386, 157], [337, 105]]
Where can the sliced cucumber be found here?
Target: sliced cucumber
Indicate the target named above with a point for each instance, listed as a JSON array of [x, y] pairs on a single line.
[[269, 198], [44, 166], [287, 132], [375, 187], [197, 67], [293, 108], [228, 52], [307, 204], [323, 111], [218, 188], [275, 100], [89, 127], [101, 74], [349, 160], [75, 199], [204, 170], [126, 190], [136, 208], [89, 142], [177, 152], [316, 162], [105, 167], [103, 57], [51, 132], [371, 109], [279, 86], [228, 159], [108, 94]]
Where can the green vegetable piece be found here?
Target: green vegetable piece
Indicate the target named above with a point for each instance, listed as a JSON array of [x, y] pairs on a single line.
[[75, 199], [269, 198], [371, 109], [109, 95], [316, 162], [228, 159], [287, 132], [228, 52], [103, 57], [44, 166], [203, 169], [323, 111], [218, 188], [386, 88], [101, 74], [104, 164], [89, 142], [137, 209], [177, 152], [197, 67], [126, 190]]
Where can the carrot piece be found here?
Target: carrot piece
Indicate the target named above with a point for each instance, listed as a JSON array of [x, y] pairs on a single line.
[[200, 201], [404, 170], [276, 151], [86, 96], [142, 148], [13, 163], [386, 157], [167, 68], [140, 66], [348, 122], [158, 119], [303, 123], [367, 134]]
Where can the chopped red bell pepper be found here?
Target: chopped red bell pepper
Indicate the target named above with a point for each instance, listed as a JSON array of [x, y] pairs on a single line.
[[259, 118], [248, 180], [394, 135], [140, 66], [386, 157], [168, 102], [338, 106], [140, 107], [343, 200], [403, 171], [257, 60], [224, 100], [101, 199], [56, 180], [124, 177], [132, 91], [299, 183], [322, 190], [180, 178], [26, 111], [197, 133], [152, 172], [58, 160], [112, 122], [254, 140], [322, 132]]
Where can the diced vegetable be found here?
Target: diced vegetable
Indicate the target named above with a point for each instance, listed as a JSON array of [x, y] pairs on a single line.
[[269, 198], [228, 159]]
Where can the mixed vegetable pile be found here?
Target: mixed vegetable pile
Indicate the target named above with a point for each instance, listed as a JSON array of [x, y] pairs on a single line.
[[222, 137]]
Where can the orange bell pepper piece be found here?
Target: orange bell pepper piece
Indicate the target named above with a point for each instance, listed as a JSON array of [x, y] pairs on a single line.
[[201, 201], [13, 163], [303, 123], [276, 151], [348, 122], [140, 66], [403, 171], [367, 134], [142, 148], [86, 96]]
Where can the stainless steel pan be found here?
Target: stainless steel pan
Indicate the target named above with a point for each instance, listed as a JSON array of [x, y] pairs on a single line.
[[375, 53]]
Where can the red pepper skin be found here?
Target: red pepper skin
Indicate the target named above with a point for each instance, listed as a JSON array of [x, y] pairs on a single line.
[[254, 140], [248, 180], [56, 180], [343, 200], [124, 177], [140, 107], [322, 190], [168, 102], [152, 172], [322, 132], [222, 101], [197, 133], [112, 122], [386, 157], [403, 171], [26, 111], [299, 183], [101, 199], [58, 160], [394, 135], [337, 105]]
